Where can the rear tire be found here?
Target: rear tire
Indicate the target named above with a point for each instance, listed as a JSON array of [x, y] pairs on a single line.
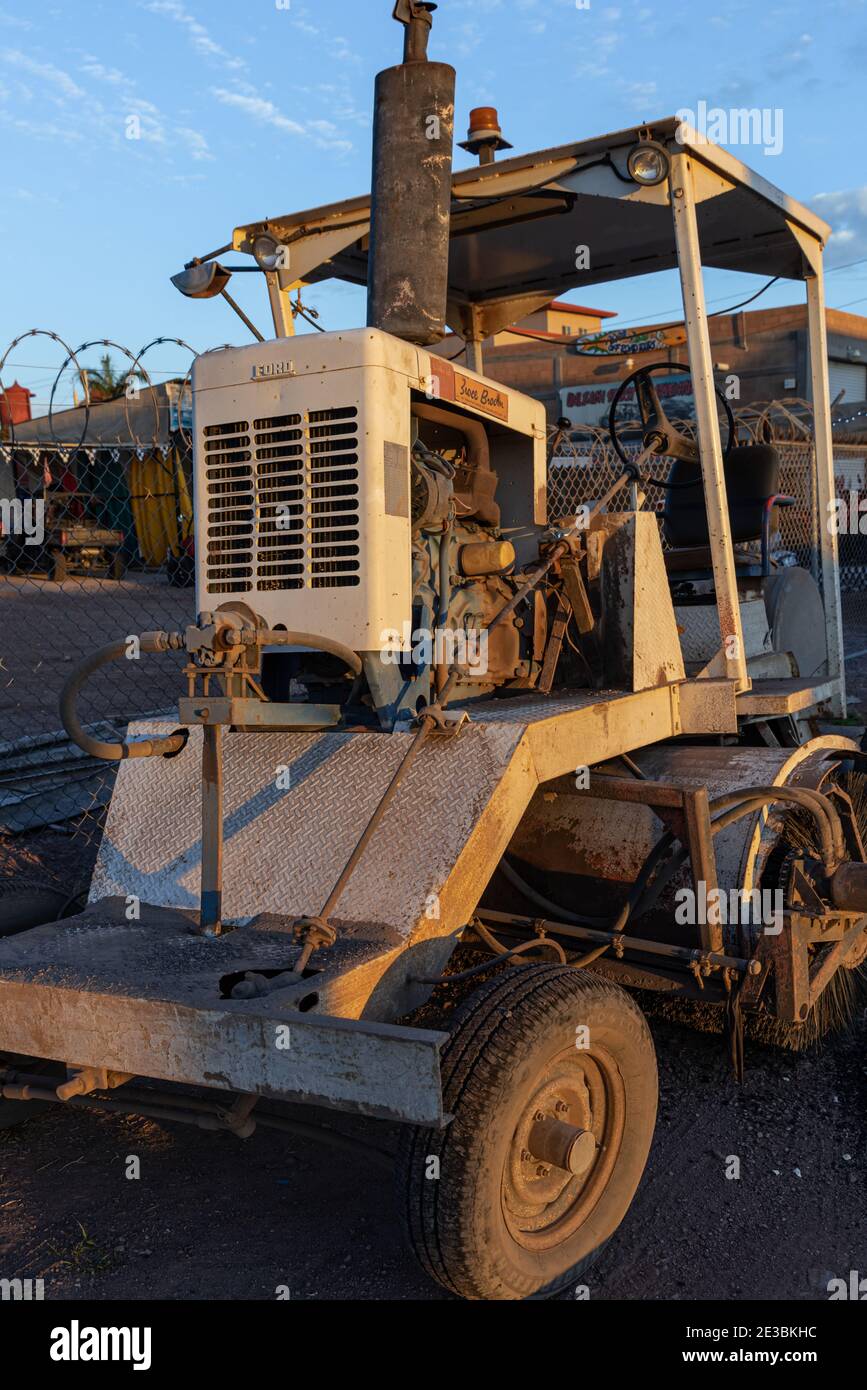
[[488, 1221]]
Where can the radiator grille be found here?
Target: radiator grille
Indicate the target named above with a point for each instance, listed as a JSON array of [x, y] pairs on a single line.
[[334, 518], [281, 516], [231, 506], [283, 502]]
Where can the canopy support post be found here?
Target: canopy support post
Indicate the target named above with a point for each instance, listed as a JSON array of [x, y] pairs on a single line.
[[732, 658], [281, 306], [825, 486]]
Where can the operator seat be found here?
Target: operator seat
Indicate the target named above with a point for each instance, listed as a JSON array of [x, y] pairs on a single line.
[[752, 475]]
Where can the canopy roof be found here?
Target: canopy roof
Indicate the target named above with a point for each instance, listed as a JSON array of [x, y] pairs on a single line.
[[517, 225]]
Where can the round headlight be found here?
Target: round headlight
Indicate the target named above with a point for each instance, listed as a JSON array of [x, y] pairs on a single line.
[[648, 164], [266, 252]]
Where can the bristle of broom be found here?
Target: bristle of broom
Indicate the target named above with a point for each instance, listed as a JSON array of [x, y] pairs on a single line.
[[839, 1001], [844, 997], [835, 1011]]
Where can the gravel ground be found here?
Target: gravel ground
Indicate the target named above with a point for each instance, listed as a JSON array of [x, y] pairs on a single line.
[[214, 1218]]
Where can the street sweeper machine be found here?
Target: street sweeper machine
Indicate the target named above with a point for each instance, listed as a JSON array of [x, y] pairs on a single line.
[[437, 740]]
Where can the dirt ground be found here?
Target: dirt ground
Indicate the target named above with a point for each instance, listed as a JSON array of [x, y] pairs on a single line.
[[212, 1217], [45, 628]]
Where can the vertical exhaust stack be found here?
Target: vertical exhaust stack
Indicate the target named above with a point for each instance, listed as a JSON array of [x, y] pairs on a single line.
[[413, 138]]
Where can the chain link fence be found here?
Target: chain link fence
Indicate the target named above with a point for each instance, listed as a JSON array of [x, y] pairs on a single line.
[[113, 558], [587, 465], [584, 468], [96, 546]]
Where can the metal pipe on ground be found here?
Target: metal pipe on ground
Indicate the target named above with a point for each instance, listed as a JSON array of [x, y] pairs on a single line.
[[191, 1110]]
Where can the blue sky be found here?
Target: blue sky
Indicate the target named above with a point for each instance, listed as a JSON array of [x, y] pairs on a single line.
[[251, 109]]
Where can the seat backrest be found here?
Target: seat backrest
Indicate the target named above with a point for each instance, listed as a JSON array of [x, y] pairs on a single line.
[[752, 474]]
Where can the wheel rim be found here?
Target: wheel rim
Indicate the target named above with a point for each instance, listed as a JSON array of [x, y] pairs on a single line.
[[543, 1205]]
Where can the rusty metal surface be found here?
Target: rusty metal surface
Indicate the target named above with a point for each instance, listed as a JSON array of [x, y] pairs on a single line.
[[372, 1069], [145, 998], [586, 833]]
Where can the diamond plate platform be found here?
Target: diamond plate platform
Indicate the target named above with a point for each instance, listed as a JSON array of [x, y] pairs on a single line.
[[295, 805], [294, 808]]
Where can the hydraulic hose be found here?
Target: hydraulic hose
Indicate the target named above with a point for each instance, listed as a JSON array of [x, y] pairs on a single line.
[[734, 806], [828, 824], [636, 893], [116, 752], [278, 637]]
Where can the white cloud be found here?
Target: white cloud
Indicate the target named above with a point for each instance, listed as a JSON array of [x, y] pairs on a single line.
[[197, 33], [87, 117], [641, 95], [197, 145], [13, 21], [97, 70], [846, 212], [156, 127], [259, 109], [41, 130], [266, 113], [54, 78]]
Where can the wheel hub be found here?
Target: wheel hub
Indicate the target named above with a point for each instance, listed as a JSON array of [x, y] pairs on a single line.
[[564, 1147]]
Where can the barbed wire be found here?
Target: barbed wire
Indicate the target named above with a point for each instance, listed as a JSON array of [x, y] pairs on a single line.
[[137, 439], [71, 357]]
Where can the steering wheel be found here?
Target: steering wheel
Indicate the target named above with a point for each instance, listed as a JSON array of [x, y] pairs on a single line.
[[659, 434]]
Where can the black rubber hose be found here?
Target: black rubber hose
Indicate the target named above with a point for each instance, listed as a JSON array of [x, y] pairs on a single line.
[[643, 894], [272, 637], [498, 957], [825, 815], [114, 752], [547, 904], [635, 895]]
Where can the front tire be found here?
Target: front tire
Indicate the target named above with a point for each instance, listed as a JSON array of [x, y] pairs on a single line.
[[485, 1217]]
